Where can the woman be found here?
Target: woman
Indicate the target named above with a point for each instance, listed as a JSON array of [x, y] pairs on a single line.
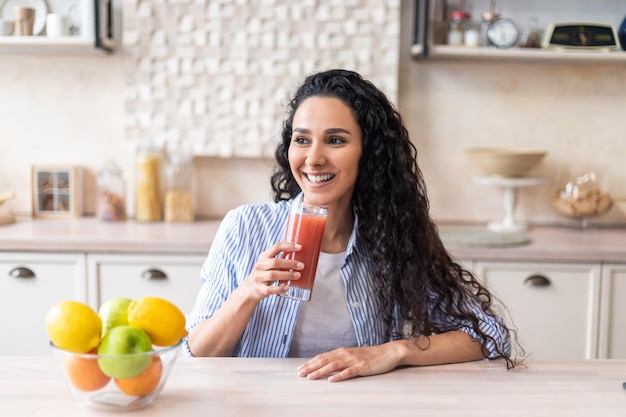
[[388, 293]]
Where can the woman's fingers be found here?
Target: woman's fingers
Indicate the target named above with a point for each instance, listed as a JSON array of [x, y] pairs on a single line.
[[346, 363], [270, 269], [274, 250]]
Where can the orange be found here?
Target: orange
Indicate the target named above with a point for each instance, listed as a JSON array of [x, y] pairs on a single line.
[[144, 383], [84, 372]]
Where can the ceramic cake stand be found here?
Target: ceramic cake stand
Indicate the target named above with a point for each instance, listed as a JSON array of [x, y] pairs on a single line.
[[509, 199]]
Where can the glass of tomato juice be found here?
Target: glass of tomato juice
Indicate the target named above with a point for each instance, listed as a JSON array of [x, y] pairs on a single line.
[[305, 225]]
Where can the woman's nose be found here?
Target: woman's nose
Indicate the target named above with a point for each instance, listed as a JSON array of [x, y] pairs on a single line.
[[315, 155]]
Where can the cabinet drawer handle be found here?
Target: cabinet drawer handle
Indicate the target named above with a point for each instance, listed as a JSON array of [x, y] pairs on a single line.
[[153, 274], [537, 281], [22, 272]]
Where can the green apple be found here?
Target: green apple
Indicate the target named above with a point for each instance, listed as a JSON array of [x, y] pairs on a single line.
[[120, 352], [114, 312]]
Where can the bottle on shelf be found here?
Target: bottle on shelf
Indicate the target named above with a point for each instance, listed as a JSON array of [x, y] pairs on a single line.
[[486, 19], [439, 22], [472, 35], [179, 203]]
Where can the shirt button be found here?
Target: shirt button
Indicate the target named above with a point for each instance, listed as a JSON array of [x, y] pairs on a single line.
[[356, 304], [366, 344]]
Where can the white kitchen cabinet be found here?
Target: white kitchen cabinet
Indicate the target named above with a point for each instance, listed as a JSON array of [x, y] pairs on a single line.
[[30, 283], [612, 344], [173, 277], [555, 306]]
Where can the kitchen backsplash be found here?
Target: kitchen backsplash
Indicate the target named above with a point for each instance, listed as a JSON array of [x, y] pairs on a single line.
[[85, 110]]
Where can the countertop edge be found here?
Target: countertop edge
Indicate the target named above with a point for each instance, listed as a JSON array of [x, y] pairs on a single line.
[[89, 235]]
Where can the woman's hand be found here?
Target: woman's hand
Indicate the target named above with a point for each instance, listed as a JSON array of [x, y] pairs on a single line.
[[345, 363], [269, 269]]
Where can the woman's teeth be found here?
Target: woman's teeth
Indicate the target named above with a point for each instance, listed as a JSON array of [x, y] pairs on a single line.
[[320, 178]]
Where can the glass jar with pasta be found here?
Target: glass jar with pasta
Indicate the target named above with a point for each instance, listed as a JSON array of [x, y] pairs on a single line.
[[148, 185], [179, 203]]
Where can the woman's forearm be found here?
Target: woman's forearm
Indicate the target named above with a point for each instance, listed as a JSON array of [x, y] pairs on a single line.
[[219, 334], [450, 347]]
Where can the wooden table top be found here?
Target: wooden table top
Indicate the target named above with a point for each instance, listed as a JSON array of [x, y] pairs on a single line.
[[270, 387]]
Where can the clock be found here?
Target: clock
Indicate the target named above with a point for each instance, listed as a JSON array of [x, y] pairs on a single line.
[[503, 33]]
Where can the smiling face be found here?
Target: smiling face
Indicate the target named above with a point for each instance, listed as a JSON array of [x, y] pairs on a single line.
[[324, 153]]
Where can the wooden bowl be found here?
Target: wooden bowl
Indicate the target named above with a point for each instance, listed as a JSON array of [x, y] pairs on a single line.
[[505, 162]]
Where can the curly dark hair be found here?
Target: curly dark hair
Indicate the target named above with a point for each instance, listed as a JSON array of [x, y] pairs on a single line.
[[412, 268]]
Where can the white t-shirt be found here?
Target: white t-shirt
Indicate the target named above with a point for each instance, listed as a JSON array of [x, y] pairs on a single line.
[[323, 322]]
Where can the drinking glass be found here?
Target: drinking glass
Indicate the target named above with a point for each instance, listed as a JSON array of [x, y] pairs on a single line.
[[305, 225]]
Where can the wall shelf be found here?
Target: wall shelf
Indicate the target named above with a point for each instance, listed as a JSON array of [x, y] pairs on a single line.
[[42, 44], [606, 12], [101, 39], [523, 54]]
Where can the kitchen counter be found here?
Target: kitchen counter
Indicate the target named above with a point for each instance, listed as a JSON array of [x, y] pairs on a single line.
[[269, 387], [550, 244], [87, 234]]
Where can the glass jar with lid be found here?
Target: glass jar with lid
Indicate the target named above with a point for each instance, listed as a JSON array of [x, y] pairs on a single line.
[[148, 183], [111, 193], [180, 179], [458, 24]]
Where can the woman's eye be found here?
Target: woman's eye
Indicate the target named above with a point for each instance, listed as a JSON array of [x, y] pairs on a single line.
[[300, 140], [335, 140]]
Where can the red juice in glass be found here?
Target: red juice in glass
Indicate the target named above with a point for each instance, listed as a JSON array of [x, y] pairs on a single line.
[[305, 225]]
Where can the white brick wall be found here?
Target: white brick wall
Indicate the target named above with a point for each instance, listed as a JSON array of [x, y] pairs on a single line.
[[213, 76]]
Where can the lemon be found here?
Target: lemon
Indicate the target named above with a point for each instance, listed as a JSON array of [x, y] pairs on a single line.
[[162, 320], [73, 326]]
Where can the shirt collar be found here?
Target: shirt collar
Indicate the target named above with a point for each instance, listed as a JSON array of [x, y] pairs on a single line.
[[355, 244]]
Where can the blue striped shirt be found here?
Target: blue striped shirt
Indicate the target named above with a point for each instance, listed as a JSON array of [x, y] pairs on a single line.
[[250, 229]]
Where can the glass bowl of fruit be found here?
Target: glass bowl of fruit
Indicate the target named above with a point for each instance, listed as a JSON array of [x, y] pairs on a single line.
[[117, 381], [120, 357]]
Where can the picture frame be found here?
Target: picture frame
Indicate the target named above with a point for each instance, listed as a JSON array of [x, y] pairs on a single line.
[[56, 191]]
